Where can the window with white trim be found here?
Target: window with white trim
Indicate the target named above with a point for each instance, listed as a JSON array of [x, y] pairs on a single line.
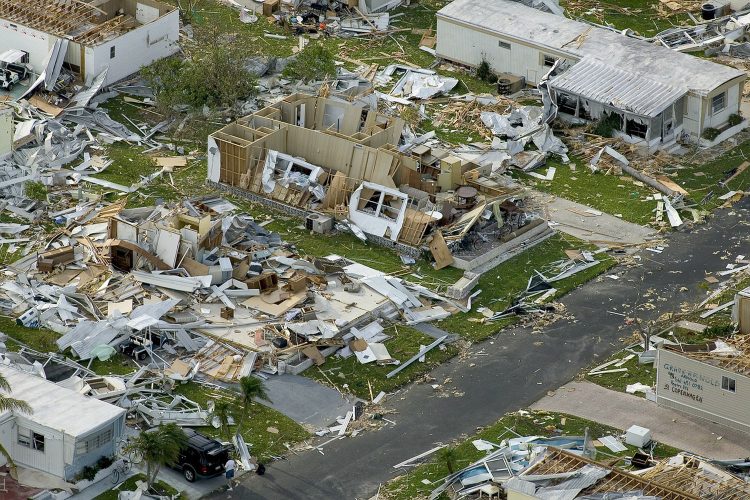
[[728, 384], [718, 102], [503, 45], [548, 61], [94, 441], [30, 439]]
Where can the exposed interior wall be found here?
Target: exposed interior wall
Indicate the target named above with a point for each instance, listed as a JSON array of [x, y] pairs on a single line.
[[130, 7], [37, 43], [469, 46], [134, 49], [694, 387]]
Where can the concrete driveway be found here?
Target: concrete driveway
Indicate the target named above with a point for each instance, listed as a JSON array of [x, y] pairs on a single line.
[[621, 410]]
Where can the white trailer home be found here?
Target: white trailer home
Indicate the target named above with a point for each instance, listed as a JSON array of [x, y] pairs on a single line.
[[121, 35], [711, 381], [66, 431], [653, 93]]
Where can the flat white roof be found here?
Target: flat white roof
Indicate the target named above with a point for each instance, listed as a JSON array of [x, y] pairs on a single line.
[[581, 40], [57, 407]]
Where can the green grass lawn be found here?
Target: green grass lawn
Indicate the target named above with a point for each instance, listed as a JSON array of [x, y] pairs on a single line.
[[638, 15], [522, 423], [700, 178], [611, 194], [501, 285], [130, 485], [265, 444], [646, 373], [358, 378]]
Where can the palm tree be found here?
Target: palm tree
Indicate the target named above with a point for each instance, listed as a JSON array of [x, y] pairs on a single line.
[[10, 404], [250, 388], [158, 447], [223, 413], [448, 454]]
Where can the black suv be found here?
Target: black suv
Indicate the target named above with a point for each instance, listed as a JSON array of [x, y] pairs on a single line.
[[202, 457]]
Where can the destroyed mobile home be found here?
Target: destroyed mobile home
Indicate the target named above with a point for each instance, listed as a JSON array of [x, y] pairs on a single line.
[[529, 467], [199, 288], [114, 38], [329, 160]]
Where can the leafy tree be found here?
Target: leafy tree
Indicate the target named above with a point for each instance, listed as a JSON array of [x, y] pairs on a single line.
[[250, 388], [158, 447], [212, 75], [315, 62], [10, 404]]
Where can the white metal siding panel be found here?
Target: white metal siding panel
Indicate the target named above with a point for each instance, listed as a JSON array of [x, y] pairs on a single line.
[[733, 105], [6, 130], [51, 460], [135, 49], [693, 387], [691, 118], [36, 43], [73, 54], [469, 46]]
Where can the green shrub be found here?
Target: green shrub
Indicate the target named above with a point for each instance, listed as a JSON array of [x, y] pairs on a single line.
[[88, 473], [607, 125], [315, 62], [492, 78], [719, 331], [483, 70], [734, 119], [104, 462], [710, 133]]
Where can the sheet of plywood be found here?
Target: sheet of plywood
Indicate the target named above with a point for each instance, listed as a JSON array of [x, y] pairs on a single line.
[[441, 253], [744, 314], [663, 179], [262, 303], [313, 353], [171, 161], [45, 106]]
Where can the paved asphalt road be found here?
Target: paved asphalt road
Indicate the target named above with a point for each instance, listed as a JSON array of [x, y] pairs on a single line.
[[514, 370]]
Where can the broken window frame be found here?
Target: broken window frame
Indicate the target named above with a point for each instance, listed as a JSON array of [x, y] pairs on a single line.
[[548, 61], [719, 103], [382, 206], [567, 103], [728, 384], [634, 128], [30, 439]]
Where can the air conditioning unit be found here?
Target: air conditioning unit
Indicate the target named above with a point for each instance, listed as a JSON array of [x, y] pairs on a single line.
[[319, 223]]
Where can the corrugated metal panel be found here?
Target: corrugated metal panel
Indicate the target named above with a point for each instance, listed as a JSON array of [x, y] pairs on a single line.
[[616, 87]]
